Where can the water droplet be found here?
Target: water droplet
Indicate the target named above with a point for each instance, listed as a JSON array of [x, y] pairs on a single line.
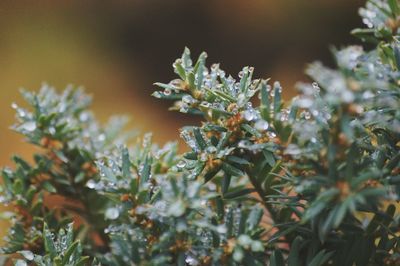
[[188, 99], [27, 254], [218, 106], [244, 240], [261, 125], [167, 92], [157, 94], [249, 115], [214, 67], [304, 102], [277, 85], [241, 99], [205, 104], [272, 93], [243, 144], [293, 149], [238, 254], [101, 137], [192, 261], [368, 23], [203, 157], [29, 126], [91, 184], [367, 95], [181, 164], [221, 229], [347, 96], [21, 112], [20, 263], [84, 116], [257, 246], [112, 213], [211, 149], [181, 226], [184, 108], [3, 199], [52, 130], [177, 208]]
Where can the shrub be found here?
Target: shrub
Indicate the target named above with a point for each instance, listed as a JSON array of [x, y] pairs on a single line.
[[312, 181]]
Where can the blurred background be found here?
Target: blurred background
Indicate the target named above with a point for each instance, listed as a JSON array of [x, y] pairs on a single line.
[[118, 49]]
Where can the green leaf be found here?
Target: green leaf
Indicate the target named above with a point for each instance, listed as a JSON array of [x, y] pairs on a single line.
[[232, 170], [238, 193], [394, 6], [321, 258], [226, 180], [198, 169], [49, 187], [211, 173], [237, 160], [70, 234], [254, 218], [83, 261], [191, 80], [224, 140], [229, 223], [269, 158], [190, 155], [126, 163], [293, 113], [21, 162], [200, 61], [145, 173], [277, 258], [186, 58], [164, 86], [396, 51], [243, 80], [18, 187], [106, 171], [179, 69], [49, 244], [71, 249], [265, 103], [199, 139], [341, 212], [277, 98], [251, 130], [366, 35], [294, 258]]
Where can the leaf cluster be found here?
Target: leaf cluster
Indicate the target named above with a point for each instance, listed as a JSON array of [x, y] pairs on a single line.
[[311, 181]]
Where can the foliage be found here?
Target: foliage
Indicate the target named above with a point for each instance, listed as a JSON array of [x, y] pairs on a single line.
[[314, 181]]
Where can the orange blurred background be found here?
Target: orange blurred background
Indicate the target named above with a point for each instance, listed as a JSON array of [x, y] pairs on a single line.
[[117, 49]]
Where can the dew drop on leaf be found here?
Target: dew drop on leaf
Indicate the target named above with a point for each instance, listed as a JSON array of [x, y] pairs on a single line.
[[29, 126], [181, 164], [27, 254], [112, 213], [261, 125]]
